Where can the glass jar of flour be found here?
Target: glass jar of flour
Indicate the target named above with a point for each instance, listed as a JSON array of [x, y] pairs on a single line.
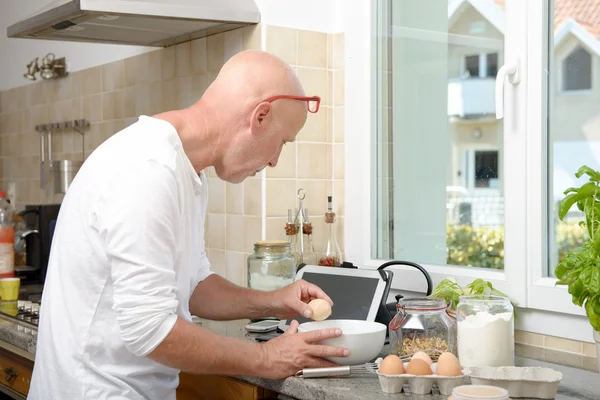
[[485, 331], [271, 266]]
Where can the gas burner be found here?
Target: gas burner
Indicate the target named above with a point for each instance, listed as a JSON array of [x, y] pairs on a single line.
[[29, 311], [25, 311]]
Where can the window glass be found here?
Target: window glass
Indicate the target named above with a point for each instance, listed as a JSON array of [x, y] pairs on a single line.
[[438, 148], [573, 121]]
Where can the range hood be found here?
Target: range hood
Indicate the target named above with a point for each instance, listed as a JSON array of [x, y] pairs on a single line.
[[135, 22]]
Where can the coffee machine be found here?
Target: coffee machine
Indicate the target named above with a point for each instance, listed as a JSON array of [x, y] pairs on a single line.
[[40, 221]]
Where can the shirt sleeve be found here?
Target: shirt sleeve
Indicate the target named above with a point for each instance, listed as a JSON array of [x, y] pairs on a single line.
[[137, 217]]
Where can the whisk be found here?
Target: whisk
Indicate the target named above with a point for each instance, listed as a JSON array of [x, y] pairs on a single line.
[[337, 371]]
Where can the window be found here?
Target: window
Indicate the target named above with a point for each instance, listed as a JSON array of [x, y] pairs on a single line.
[[492, 65], [486, 169], [472, 65], [481, 65], [425, 177], [577, 71]]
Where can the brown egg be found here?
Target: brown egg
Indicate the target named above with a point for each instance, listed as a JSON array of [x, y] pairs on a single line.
[[391, 365], [320, 308], [418, 366], [448, 365], [423, 356]]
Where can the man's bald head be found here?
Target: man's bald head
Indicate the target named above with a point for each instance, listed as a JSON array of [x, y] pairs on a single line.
[[251, 129]]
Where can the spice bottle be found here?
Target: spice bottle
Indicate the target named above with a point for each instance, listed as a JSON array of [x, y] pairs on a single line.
[[331, 256], [7, 238], [309, 256], [291, 231]]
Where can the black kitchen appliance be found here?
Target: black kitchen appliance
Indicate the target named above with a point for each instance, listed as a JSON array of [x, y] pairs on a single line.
[[40, 221]]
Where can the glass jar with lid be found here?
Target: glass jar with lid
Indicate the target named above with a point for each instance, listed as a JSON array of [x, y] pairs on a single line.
[[485, 331], [422, 324], [271, 266]]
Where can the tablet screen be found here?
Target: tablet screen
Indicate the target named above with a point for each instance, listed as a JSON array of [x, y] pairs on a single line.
[[352, 296]]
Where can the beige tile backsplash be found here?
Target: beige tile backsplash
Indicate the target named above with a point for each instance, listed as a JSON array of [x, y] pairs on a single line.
[[556, 350], [113, 95]]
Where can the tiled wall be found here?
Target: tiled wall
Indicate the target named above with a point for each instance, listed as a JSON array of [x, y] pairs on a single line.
[[556, 350], [315, 162], [111, 96]]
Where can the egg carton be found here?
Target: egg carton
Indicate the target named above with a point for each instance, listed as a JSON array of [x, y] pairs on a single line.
[[521, 382], [420, 384]]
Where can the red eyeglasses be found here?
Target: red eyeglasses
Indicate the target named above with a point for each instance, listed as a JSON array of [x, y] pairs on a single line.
[[313, 102]]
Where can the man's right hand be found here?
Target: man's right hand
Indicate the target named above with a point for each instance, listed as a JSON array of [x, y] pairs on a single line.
[[293, 351]]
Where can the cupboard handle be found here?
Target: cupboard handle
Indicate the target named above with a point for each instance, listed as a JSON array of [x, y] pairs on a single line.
[[10, 374]]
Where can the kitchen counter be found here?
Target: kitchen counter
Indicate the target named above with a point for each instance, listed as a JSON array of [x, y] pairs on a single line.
[[576, 384]]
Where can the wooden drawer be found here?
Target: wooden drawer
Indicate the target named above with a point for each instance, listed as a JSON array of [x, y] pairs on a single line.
[[15, 371], [214, 387]]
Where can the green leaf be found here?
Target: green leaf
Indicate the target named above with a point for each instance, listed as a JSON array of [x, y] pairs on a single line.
[[586, 191], [593, 316], [560, 271], [566, 204], [594, 175], [570, 190]]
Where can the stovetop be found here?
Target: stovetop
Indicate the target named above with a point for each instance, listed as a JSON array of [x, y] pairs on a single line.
[[23, 310]]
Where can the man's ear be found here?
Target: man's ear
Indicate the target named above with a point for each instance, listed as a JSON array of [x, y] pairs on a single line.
[[261, 116]]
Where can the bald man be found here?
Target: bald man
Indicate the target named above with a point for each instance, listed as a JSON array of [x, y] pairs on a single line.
[[128, 267]]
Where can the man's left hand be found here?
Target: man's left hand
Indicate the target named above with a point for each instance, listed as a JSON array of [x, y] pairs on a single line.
[[292, 300]]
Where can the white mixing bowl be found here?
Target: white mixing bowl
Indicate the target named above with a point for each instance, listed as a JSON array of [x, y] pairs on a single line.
[[364, 339]]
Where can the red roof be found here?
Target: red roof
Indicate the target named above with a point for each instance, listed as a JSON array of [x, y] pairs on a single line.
[[585, 12]]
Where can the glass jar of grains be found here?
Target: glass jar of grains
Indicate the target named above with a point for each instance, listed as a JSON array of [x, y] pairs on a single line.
[[271, 266], [422, 324]]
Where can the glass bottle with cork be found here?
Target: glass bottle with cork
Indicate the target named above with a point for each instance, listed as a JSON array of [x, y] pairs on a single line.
[[309, 256], [291, 232], [331, 256]]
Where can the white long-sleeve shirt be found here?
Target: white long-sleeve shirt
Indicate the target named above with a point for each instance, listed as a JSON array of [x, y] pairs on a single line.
[[127, 253]]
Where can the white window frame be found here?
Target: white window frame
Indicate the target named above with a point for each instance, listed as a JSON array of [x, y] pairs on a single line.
[[543, 308]]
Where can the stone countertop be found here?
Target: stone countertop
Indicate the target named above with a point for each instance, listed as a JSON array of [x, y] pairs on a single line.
[[576, 384], [20, 335]]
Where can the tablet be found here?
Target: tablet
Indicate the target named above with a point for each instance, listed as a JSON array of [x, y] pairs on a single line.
[[356, 293]]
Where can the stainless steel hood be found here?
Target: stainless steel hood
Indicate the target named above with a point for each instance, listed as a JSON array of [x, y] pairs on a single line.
[[135, 22]]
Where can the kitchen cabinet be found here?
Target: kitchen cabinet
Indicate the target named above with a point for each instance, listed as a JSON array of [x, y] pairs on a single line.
[[214, 387], [16, 372]]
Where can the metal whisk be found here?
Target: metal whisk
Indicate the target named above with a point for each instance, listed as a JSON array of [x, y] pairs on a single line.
[[337, 371]]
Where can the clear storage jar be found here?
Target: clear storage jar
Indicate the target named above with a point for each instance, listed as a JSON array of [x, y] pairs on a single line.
[[271, 266], [485, 331], [422, 324]]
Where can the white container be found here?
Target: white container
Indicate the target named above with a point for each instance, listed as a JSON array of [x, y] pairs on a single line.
[[419, 384], [485, 326], [520, 382], [364, 339], [597, 339], [478, 392]]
